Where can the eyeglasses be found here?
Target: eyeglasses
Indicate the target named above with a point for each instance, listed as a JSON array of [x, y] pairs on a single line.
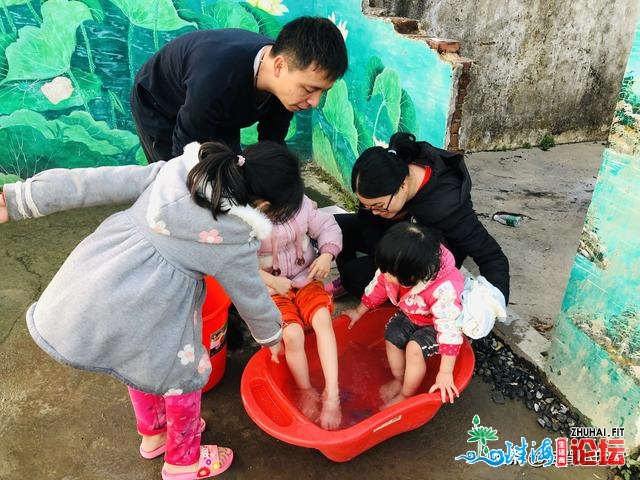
[[378, 209]]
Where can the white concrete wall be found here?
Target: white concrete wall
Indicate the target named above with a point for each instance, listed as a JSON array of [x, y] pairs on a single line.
[[541, 66]]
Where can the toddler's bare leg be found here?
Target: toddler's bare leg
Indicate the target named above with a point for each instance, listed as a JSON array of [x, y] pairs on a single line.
[[396, 359], [296, 357], [415, 369], [331, 415]]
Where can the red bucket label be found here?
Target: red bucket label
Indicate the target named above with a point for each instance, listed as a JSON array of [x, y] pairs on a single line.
[[218, 340]]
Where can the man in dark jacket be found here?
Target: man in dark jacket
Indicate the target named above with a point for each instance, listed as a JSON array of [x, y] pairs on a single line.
[[208, 84]]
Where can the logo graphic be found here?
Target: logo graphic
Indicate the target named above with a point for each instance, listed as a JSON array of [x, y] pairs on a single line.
[[579, 450], [481, 435]]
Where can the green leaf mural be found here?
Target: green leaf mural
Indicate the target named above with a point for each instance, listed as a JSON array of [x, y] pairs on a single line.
[[365, 139], [249, 135], [387, 85], [30, 143], [352, 122], [151, 14], [28, 95], [323, 153], [267, 25], [97, 12], [228, 13], [338, 111], [201, 20], [408, 119], [11, 3], [82, 128], [45, 52], [377, 120], [374, 68], [8, 178], [5, 40], [95, 47], [388, 107]]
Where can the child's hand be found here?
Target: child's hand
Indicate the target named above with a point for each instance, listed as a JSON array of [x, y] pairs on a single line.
[[4, 211], [321, 266], [444, 383], [281, 285], [355, 313], [275, 350]]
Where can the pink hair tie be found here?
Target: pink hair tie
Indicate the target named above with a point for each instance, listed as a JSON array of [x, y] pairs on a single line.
[[241, 160]]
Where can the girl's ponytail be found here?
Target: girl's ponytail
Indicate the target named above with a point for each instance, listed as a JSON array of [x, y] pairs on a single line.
[[217, 176], [267, 172]]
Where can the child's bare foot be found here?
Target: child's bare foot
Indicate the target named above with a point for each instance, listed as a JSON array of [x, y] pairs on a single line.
[[390, 389], [309, 400], [398, 398], [331, 414]]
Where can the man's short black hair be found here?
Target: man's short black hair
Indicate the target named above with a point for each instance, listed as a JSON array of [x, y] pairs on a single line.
[[313, 41]]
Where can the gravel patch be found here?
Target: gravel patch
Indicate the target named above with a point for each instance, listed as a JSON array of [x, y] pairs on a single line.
[[512, 377]]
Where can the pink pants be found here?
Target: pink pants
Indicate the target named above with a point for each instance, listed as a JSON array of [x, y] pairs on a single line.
[[178, 415]]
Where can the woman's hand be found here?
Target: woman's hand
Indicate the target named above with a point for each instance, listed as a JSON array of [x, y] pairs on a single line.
[[320, 267], [4, 211]]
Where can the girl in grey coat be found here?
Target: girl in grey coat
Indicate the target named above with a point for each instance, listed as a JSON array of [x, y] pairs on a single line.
[[202, 213]]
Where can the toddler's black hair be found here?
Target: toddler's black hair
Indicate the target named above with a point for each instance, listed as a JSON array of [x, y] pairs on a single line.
[[410, 252]]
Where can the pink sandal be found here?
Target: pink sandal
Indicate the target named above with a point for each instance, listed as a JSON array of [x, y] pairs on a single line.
[[151, 454], [209, 465]]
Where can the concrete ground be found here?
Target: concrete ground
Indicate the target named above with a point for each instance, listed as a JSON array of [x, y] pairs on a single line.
[[553, 190], [63, 424]]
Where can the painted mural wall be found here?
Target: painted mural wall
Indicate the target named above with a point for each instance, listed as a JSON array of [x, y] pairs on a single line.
[[595, 354], [67, 66]]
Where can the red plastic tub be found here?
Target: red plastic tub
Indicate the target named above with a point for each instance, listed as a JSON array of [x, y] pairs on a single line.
[[268, 392], [214, 329]]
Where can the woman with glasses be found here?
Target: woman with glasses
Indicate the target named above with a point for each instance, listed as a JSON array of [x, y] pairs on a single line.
[[413, 181]]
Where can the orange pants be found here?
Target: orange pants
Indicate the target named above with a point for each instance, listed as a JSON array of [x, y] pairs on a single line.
[[300, 304]]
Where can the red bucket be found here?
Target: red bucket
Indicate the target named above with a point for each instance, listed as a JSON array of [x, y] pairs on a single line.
[[214, 329]]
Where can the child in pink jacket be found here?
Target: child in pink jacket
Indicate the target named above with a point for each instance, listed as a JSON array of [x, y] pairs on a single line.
[[418, 275], [290, 267]]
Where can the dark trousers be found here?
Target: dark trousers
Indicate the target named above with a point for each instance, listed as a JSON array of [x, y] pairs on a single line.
[[355, 261], [156, 147], [159, 144]]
